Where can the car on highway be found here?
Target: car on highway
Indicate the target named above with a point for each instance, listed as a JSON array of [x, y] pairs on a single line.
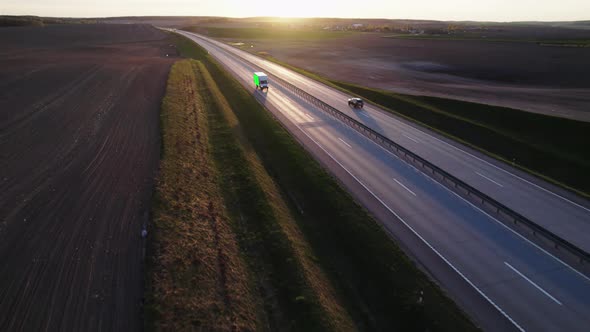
[[356, 102]]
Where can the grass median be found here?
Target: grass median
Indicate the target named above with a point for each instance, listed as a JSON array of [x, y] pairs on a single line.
[[377, 285], [298, 294], [197, 278], [225, 253]]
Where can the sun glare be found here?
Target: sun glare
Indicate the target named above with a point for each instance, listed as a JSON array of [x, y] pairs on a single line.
[[299, 8]]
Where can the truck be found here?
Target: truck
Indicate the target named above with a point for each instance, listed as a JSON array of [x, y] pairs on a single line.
[[260, 80]]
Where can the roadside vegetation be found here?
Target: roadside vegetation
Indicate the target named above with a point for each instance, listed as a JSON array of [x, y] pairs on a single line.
[[553, 148], [299, 296], [225, 254], [197, 278], [267, 33], [316, 259], [583, 42]]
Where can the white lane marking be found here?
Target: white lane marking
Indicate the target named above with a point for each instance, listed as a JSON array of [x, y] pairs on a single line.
[[499, 168], [479, 291], [406, 188], [469, 154], [487, 178], [532, 283], [415, 232], [419, 236], [477, 208], [508, 228], [410, 138], [507, 172], [487, 214], [422, 239], [364, 114], [341, 140], [309, 116]]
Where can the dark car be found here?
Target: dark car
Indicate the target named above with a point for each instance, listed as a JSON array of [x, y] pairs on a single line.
[[356, 102]]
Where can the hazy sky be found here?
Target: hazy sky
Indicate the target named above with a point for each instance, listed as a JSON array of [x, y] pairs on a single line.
[[482, 10]]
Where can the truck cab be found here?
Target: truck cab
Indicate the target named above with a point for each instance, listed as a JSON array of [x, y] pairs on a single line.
[[260, 80]]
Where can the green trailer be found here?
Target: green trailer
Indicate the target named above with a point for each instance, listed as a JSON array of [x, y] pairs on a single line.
[[260, 80]]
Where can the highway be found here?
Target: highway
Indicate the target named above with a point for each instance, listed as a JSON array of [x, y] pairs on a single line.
[[560, 212], [522, 286]]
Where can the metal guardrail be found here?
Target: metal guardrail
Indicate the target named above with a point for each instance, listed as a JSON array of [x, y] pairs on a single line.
[[456, 185], [440, 175]]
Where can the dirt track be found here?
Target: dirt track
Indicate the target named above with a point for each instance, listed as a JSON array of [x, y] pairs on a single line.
[[79, 147]]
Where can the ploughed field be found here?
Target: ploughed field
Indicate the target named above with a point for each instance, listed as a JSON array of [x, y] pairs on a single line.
[[79, 148], [521, 74]]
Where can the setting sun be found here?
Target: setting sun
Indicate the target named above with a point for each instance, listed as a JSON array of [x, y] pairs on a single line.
[[294, 165], [300, 8]]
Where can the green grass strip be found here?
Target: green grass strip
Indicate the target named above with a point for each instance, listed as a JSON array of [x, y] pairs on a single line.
[[380, 285], [196, 277], [289, 301]]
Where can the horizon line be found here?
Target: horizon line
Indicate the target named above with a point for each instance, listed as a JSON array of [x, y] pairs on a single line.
[[296, 18]]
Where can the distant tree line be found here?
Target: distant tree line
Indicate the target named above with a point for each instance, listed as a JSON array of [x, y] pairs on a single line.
[[15, 21]]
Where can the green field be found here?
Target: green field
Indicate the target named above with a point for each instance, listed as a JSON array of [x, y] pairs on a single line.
[[376, 285], [267, 33], [553, 148]]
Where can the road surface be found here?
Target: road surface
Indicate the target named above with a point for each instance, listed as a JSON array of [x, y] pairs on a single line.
[[500, 278], [559, 211]]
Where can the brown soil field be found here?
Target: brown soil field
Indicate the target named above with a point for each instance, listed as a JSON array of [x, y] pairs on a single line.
[[528, 73], [79, 149], [521, 75]]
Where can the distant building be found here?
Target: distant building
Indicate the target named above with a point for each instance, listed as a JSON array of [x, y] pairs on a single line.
[[357, 25]]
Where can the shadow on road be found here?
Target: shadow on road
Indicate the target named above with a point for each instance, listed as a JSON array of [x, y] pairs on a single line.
[[367, 119]]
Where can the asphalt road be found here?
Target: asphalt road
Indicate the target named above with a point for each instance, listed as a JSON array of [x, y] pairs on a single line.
[[517, 284], [561, 212]]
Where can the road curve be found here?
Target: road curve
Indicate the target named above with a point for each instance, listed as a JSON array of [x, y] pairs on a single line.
[[523, 287]]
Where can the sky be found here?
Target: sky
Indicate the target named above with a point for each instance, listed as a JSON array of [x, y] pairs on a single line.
[[488, 10]]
